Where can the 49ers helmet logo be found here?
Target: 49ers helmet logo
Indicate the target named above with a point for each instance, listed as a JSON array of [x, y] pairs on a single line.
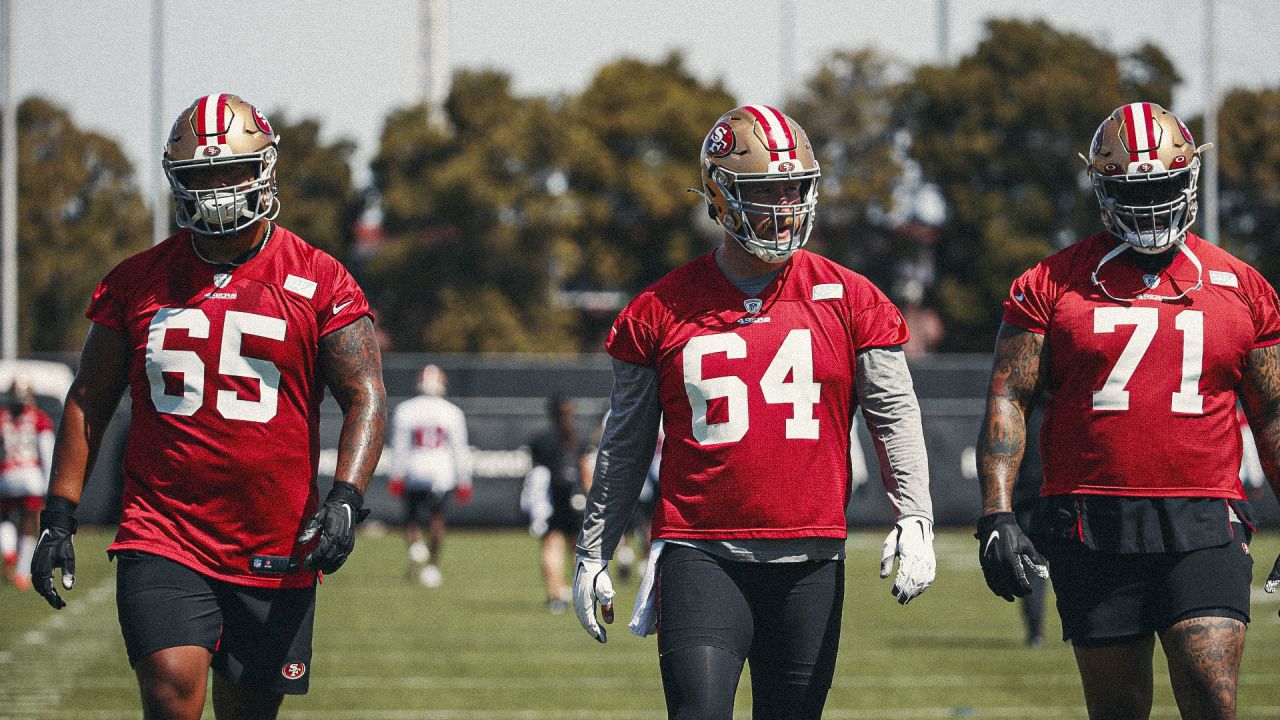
[[261, 120], [720, 140], [293, 670]]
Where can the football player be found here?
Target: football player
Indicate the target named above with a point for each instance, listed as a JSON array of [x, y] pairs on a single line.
[[431, 465], [561, 455], [754, 358], [226, 335], [1142, 337], [26, 448]]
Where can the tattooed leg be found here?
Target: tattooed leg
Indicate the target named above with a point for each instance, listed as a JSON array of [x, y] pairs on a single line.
[[1204, 664], [1117, 680]]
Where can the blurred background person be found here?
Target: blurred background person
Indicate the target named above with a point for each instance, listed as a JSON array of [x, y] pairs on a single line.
[[431, 465], [26, 446], [555, 493]]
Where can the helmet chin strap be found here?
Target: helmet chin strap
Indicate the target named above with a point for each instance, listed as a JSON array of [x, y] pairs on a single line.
[[1180, 244]]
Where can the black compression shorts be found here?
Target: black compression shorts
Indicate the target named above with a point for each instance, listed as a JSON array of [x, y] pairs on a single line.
[[1109, 598], [260, 637]]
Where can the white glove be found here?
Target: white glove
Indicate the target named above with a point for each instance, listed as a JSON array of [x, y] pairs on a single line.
[[591, 583], [911, 541]]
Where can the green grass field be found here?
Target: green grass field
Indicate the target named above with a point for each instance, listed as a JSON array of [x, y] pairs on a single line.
[[484, 647]]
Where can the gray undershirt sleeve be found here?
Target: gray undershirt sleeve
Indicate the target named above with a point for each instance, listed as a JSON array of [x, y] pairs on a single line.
[[892, 414], [626, 450]]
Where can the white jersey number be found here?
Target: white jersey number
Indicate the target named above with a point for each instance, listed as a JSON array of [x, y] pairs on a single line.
[[787, 380], [1113, 396], [230, 362]]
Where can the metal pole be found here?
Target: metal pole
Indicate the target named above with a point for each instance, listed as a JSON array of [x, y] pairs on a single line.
[[944, 32], [9, 202], [160, 197], [787, 51], [1210, 207]]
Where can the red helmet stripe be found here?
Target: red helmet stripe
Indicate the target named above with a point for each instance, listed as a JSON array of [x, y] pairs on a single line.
[[1140, 128], [1131, 132], [223, 124], [201, 110], [776, 130]]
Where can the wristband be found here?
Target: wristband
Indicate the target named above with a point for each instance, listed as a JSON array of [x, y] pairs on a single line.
[[59, 512], [347, 493], [988, 522]]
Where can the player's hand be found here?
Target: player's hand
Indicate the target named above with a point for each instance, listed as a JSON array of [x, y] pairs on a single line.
[[911, 542], [1007, 555], [335, 524], [54, 550], [464, 494], [591, 584], [1273, 580], [395, 486]]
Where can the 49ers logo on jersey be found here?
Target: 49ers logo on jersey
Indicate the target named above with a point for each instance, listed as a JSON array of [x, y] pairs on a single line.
[[720, 140], [293, 670]]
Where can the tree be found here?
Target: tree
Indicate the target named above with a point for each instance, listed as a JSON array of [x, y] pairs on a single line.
[[79, 213], [504, 203], [851, 108], [999, 133], [318, 199], [1249, 172]]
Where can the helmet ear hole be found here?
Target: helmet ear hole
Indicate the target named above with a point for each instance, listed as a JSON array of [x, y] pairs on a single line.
[[711, 212]]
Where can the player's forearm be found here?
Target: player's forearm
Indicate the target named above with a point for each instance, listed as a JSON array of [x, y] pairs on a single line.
[[892, 414], [360, 442], [1001, 445], [1017, 376], [75, 451], [1260, 396], [626, 450], [352, 366]]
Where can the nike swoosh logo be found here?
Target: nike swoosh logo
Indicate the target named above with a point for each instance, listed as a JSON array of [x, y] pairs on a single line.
[[339, 308], [990, 539]]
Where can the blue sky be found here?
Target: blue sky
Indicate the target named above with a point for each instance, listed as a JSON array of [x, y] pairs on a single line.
[[346, 64]]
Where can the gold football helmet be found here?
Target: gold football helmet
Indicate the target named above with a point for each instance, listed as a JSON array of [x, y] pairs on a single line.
[[222, 130], [759, 144], [1144, 166]]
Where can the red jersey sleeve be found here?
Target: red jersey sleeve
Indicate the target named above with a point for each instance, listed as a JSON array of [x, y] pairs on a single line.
[[1030, 301], [345, 303], [880, 325], [1265, 307], [108, 303], [633, 338]]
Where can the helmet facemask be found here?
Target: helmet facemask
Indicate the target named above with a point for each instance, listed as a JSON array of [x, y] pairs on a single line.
[[744, 216], [225, 210], [1151, 211]]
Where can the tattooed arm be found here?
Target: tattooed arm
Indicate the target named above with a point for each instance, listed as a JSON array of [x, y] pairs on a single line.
[[1017, 377], [1260, 394], [352, 368]]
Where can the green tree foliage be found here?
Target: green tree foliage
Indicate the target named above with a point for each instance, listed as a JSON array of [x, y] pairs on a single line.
[[506, 202], [79, 213], [318, 199], [1249, 177], [851, 108], [999, 133]]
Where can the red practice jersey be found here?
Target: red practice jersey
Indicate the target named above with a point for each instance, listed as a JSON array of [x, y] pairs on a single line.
[[1142, 391], [757, 394], [20, 440], [220, 462]]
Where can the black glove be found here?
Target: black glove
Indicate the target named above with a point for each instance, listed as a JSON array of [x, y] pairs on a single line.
[[1007, 555], [54, 549], [335, 523], [1273, 580]]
